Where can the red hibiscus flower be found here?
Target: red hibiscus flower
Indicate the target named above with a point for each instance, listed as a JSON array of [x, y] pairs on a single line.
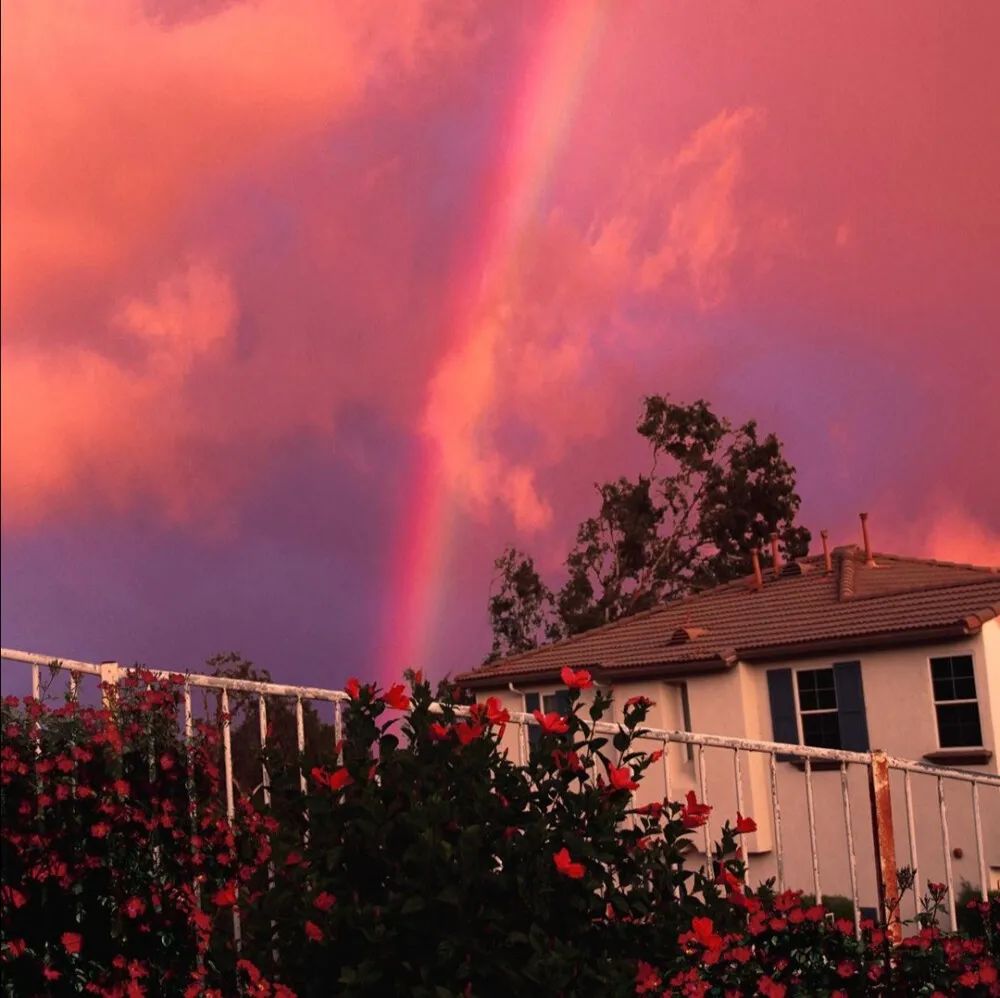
[[396, 698], [314, 932], [694, 814], [566, 866], [646, 979], [467, 732], [491, 712], [438, 732], [620, 778], [744, 825], [567, 762], [353, 688], [552, 723], [771, 989], [324, 901], [703, 931], [72, 942], [225, 897], [340, 779], [134, 907], [576, 680], [654, 809], [11, 895]]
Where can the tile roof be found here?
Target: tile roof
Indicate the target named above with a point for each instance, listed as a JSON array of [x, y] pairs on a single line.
[[898, 600]]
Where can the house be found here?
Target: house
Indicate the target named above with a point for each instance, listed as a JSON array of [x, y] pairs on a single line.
[[848, 650]]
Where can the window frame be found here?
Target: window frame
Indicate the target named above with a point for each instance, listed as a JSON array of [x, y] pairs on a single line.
[[835, 709], [535, 732], [935, 703]]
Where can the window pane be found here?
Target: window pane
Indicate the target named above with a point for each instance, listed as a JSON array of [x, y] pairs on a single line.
[[821, 730], [558, 702], [816, 690], [958, 725], [954, 678]]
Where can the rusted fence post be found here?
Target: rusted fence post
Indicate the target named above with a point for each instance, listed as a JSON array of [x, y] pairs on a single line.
[[885, 844]]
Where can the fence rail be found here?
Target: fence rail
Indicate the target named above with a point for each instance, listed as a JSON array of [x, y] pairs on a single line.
[[877, 765]]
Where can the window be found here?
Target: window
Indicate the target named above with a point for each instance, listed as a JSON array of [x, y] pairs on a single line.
[[557, 702], [955, 702], [818, 708]]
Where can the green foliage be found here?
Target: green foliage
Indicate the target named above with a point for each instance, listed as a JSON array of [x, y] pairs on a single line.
[[713, 494]]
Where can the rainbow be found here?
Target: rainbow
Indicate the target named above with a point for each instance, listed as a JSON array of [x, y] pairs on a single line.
[[538, 120]]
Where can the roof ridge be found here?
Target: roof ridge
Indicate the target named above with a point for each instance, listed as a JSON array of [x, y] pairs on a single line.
[[927, 588], [990, 569]]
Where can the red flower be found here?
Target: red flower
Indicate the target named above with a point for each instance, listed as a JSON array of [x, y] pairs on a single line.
[[566, 866], [396, 698], [468, 732], [744, 825], [771, 989], [340, 779], [639, 701], [578, 680], [353, 688], [492, 712], [703, 931], [336, 780], [654, 809], [225, 897], [16, 947], [100, 830], [620, 778], [567, 761], [656, 756], [552, 723], [121, 787], [50, 975], [314, 932], [694, 814], [324, 901], [646, 979], [438, 732], [166, 761], [72, 942], [134, 907], [11, 895]]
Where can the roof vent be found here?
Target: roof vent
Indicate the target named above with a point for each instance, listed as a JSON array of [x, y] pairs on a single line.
[[687, 633], [796, 568]]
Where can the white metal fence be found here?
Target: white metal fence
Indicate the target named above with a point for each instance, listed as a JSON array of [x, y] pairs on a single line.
[[879, 770]]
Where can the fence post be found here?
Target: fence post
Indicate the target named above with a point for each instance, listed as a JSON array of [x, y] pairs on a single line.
[[885, 844], [110, 673]]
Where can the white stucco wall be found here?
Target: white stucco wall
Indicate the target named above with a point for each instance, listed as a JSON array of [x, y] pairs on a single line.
[[901, 721]]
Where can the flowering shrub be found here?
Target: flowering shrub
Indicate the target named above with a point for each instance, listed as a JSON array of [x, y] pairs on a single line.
[[111, 884], [420, 860]]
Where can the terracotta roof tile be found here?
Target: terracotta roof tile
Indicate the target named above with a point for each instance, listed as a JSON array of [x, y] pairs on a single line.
[[899, 596]]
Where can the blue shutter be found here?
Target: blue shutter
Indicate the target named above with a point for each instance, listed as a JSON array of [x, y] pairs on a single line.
[[782, 696], [851, 706]]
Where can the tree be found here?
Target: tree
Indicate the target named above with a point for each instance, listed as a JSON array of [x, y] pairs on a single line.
[[712, 495]]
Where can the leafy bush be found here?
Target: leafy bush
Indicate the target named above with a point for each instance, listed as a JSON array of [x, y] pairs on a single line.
[[420, 860]]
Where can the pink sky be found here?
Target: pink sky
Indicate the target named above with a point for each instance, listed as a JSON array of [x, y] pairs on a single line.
[[309, 308]]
